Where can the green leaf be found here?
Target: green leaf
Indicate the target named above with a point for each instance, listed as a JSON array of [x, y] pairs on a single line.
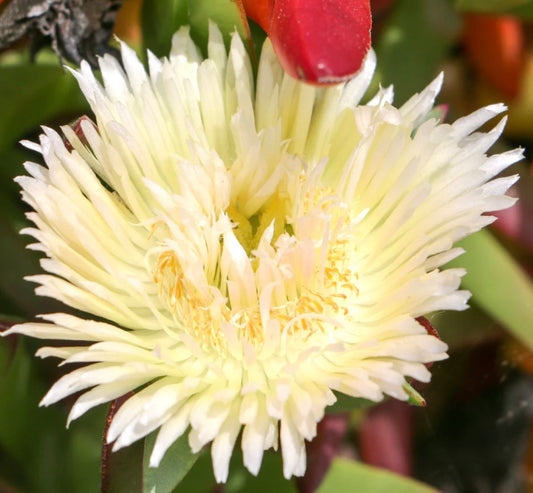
[[128, 471], [415, 399], [270, 478], [224, 13], [125, 470], [160, 19], [346, 403], [200, 478], [498, 284], [176, 463], [418, 35], [347, 475]]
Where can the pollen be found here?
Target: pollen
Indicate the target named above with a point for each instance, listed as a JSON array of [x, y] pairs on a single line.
[[317, 304]]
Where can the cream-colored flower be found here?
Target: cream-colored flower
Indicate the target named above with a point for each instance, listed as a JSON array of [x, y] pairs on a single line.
[[251, 250]]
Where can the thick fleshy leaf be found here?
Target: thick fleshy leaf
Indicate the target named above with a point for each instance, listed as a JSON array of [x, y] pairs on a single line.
[[175, 464], [162, 18], [347, 475], [415, 399], [226, 14], [347, 403], [128, 469], [270, 478], [498, 284], [125, 470], [122, 471], [318, 41]]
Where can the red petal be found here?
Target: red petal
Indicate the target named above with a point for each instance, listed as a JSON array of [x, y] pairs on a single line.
[[321, 41]]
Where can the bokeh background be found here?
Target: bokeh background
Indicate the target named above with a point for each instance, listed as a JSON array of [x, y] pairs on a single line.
[[474, 435]]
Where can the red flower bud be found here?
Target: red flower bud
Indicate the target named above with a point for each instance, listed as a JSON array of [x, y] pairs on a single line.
[[318, 41]]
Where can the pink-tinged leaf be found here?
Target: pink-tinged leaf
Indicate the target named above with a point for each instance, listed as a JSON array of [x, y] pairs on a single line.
[[121, 471], [385, 437], [432, 331], [317, 41], [4, 325], [415, 398], [424, 322], [76, 126]]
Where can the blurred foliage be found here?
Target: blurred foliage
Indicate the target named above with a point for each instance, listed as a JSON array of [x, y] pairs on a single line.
[[416, 37], [520, 8], [491, 363], [37, 453]]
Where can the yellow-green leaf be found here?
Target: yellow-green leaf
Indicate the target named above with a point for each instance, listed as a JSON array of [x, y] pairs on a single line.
[[498, 284], [175, 464], [348, 475], [224, 13]]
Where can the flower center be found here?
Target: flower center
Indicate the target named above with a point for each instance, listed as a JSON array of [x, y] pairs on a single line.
[[249, 230], [302, 278]]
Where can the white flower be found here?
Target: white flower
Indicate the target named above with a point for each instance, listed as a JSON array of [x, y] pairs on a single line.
[[251, 250]]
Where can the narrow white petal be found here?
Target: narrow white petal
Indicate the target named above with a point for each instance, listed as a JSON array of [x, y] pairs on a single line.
[[222, 447]]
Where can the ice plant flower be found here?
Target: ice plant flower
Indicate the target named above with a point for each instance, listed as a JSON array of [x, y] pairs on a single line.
[[248, 252]]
